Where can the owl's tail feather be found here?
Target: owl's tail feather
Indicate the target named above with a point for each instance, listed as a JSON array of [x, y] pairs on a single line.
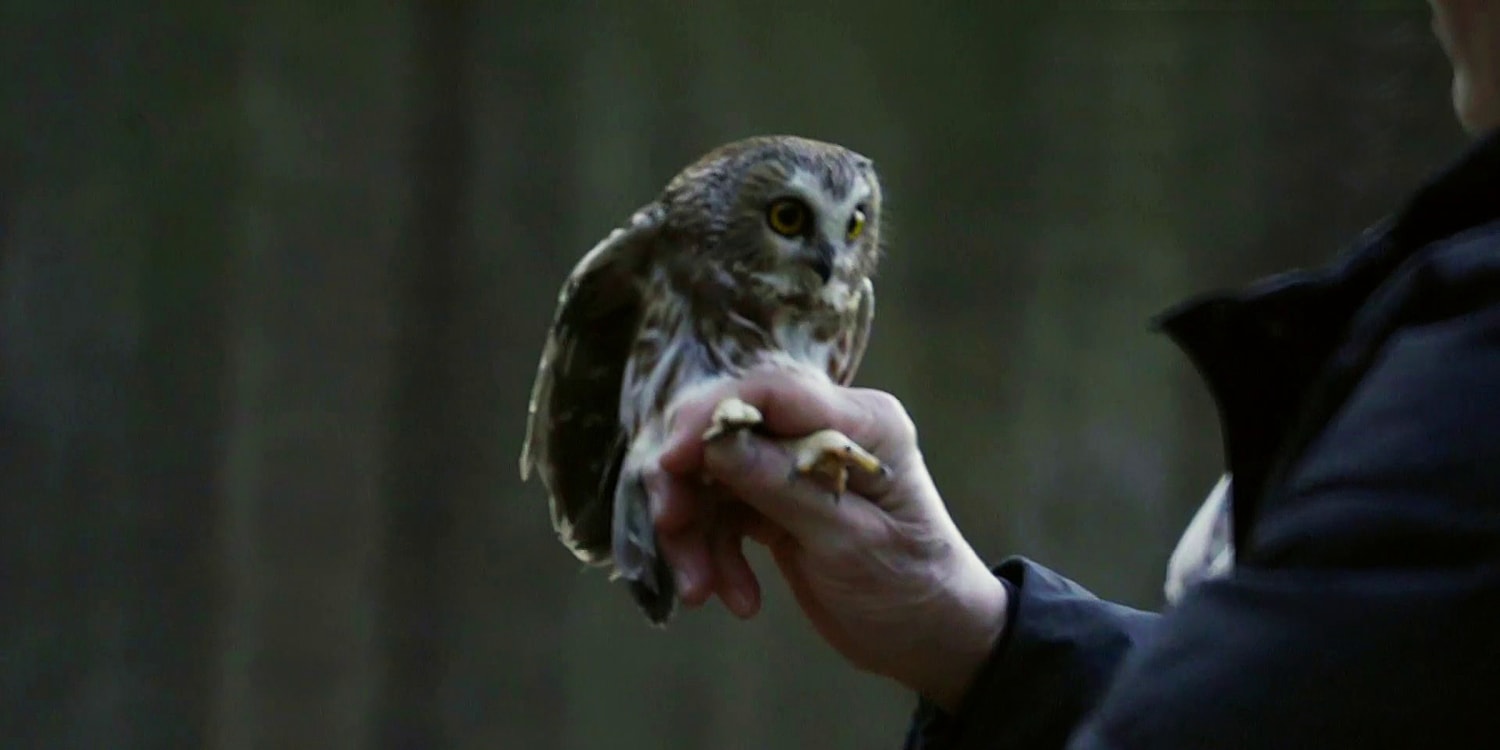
[[635, 555], [656, 595]]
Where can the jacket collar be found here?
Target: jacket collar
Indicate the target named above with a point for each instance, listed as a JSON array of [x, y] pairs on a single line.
[[1464, 195], [1260, 347]]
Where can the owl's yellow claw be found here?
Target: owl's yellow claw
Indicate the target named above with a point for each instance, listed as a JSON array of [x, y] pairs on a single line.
[[732, 415], [829, 454]]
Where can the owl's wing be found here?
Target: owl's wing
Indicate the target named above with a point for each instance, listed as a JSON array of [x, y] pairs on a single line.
[[859, 335], [574, 439]]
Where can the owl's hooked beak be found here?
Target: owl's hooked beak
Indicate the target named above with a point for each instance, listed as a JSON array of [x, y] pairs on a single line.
[[820, 260]]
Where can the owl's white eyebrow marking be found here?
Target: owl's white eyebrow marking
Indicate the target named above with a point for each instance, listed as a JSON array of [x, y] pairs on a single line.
[[807, 185], [831, 214]]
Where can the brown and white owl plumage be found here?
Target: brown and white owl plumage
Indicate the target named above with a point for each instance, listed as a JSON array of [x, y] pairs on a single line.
[[761, 252]]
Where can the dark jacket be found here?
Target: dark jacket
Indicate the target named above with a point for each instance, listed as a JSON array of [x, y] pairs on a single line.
[[1360, 409]]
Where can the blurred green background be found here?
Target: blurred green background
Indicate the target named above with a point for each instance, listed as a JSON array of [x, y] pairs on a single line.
[[274, 277]]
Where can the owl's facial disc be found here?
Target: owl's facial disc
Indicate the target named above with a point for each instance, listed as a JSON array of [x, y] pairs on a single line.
[[815, 229]]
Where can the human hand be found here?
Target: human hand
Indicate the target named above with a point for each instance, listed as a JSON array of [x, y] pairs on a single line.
[[883, 574]]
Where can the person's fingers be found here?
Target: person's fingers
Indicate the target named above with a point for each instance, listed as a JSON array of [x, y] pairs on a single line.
[[734, 581], [682, 540], [675, 504], [791, 404], [762, 529], [688, 555], [760, 473]]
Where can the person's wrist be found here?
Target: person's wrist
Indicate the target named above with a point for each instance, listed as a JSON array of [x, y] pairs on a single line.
[[966, 622]]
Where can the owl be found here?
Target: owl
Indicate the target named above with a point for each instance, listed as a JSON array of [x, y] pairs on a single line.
[[762, 252]]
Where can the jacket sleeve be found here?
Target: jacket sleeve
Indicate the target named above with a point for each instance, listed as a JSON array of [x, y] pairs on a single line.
[[1060, 647], [1362, 611]]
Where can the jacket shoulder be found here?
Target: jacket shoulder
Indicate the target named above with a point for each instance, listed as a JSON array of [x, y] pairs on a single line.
[[1408, 463]]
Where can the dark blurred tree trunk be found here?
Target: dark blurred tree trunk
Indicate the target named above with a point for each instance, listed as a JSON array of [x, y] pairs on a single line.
[[190, 180], [1220, 181], [119, 198], [948, 358], [326, 98], [1084, 446], [507, 579], [436, 427]]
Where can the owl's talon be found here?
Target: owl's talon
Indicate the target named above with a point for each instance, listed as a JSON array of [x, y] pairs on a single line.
[[732, 415], [837, 477], [828, 455]]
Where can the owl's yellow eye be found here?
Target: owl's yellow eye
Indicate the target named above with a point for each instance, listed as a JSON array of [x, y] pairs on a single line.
[[787, 217], [856, 223]]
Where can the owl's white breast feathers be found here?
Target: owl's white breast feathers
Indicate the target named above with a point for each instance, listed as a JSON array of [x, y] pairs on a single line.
[[681, 360], [800, 347]]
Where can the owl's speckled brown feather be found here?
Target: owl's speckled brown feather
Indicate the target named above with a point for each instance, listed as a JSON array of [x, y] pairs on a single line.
[[695, 288]]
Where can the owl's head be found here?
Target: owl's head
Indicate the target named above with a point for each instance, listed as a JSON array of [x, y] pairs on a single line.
[[797, 208]]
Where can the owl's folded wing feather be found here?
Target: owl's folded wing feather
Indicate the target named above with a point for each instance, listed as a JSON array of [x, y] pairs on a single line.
[[858, 337], [574, 440]]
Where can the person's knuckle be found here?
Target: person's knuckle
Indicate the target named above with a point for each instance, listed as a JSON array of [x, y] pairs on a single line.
[[890, 413]]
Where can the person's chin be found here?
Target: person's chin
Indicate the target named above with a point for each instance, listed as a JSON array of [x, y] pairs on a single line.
[[1477, 114], [1477, 121]]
